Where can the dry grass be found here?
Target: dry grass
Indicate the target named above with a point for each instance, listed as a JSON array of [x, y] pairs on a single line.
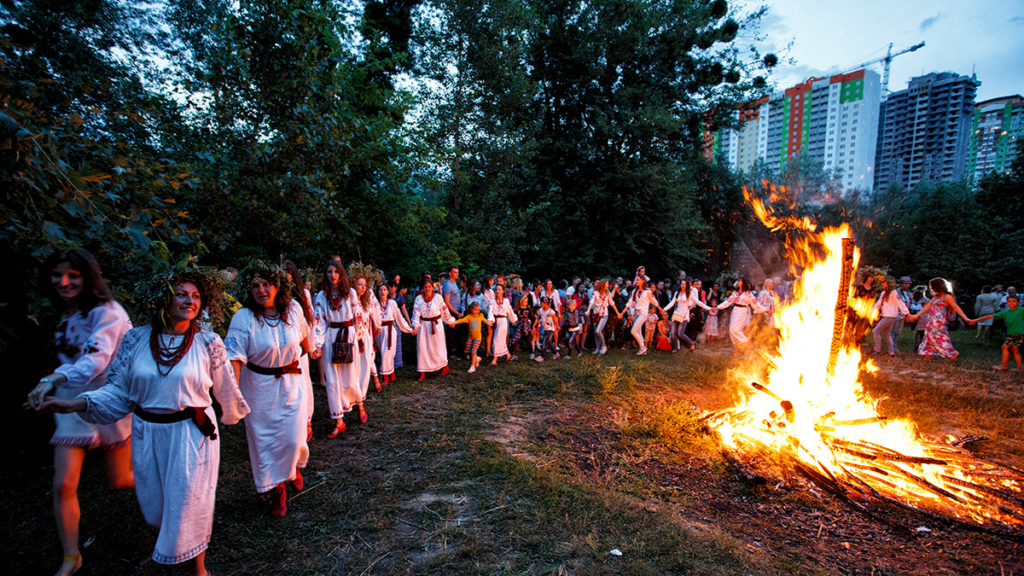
[[538, 469]]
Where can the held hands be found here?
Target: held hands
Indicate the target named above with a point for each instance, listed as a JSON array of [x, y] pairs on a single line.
[[315, 353], [35, 397]]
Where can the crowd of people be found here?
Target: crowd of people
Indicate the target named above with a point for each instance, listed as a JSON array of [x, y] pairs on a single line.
[[147, 394], [933, 309]]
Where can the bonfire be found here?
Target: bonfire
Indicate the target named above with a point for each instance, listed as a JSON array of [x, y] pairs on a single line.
[[810, 416]]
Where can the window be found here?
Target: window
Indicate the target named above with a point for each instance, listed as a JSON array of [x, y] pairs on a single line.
[[853, 137], [845, 115], [831, 139], [830, 147]]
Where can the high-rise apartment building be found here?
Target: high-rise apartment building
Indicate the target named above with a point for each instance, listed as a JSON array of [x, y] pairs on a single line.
[[996, 127], [925, 129], [833, 120]]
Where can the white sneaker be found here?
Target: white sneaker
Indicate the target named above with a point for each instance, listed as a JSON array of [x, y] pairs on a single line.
[[471, 370], [539, 358], [555, 357], [532, 355], [596, 351], [642, 352], [604, 351]]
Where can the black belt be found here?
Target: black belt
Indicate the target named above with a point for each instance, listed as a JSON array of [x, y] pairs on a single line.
[[197, 415], [292, 368], [344, 324]]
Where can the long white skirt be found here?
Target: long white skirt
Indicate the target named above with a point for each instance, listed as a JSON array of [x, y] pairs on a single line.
[[499, 341], [431, 350], [365, 357], [176, 483], [387, 343], [276, 427], [304, 365], [738, 320], [343, 380]]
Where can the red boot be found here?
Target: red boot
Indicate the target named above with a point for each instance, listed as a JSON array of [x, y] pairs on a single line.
[[422, 376], [444, 371], [298, 483], [278, 501]]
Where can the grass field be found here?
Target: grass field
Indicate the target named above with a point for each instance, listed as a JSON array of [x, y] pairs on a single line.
[[532, 468]]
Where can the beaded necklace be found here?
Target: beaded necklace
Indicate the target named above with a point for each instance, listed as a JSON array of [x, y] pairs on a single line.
[[168, 356]]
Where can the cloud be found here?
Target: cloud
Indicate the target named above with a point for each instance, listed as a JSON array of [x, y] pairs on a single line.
[[927, 23], [1016, 19]]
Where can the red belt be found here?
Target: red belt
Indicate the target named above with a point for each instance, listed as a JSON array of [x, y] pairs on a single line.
[[433, 323]]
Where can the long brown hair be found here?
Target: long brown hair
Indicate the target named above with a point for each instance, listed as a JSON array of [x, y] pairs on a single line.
[[299, 290], [343, 285], [94, 288]]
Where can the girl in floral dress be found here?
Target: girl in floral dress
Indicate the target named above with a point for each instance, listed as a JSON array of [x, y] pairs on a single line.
[[936, 332]]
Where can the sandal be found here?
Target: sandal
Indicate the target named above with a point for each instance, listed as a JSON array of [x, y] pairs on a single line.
[[338, 429], [998, 368], [376, 383], [362, 414], [77, 559]]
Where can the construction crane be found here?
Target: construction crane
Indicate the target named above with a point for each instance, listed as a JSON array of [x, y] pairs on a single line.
[[887, 60]]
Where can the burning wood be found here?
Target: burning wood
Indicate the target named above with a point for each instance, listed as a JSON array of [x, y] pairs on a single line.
[[813, 418]]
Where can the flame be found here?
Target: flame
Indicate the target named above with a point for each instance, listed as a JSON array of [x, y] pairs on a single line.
[[823, 423]]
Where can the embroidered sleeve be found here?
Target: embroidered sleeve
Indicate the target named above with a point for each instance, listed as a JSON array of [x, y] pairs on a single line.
[[237, 341], [111, 402], [99, 348], [225, 388]]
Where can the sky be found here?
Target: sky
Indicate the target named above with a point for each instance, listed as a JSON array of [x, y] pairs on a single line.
[[983, 36]]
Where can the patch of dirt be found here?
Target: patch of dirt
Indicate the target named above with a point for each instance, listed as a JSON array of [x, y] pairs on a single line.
[[795, 526]]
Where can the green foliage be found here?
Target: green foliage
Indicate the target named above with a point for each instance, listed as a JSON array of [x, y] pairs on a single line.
[[568, 130]]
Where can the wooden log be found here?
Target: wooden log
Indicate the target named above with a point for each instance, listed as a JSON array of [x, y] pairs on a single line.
[[839, 325]]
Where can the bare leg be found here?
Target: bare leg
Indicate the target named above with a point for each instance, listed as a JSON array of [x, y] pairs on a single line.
[[1016, 357], [119, 467], [67, 462], [201, 564]]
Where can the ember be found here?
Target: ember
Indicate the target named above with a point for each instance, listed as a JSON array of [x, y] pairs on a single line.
[[813, 417]]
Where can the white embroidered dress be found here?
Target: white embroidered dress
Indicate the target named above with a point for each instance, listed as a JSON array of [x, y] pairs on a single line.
[[345, 386], [742, 302], [501, 314], [175, 465], [86, 345], [391, 321], [431, 353], [276, 427]]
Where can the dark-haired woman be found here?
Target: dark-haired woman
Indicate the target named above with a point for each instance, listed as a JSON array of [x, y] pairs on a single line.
[[428, 312], [599, 304], [684, 302], [391, 321], [301, 295], [501, 316], [265, 343], [90, 332], [164, 373], [641, 301], [936, 332], [336, 307], [742, 301]]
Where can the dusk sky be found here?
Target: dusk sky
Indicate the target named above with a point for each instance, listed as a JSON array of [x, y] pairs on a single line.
[[984, 35]]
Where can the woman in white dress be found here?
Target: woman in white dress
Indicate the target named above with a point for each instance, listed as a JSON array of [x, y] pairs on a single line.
[[165, 373], [265, 342], [428, 312], [88, 337], [599, 303], [301, 295], [742, 300], [685, 301], [501, 317], [335, 308], [391, 321], [367, 318], [641, 301]]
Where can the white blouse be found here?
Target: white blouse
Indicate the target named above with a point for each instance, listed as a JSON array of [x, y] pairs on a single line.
[[86, 344], [135, 380]]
